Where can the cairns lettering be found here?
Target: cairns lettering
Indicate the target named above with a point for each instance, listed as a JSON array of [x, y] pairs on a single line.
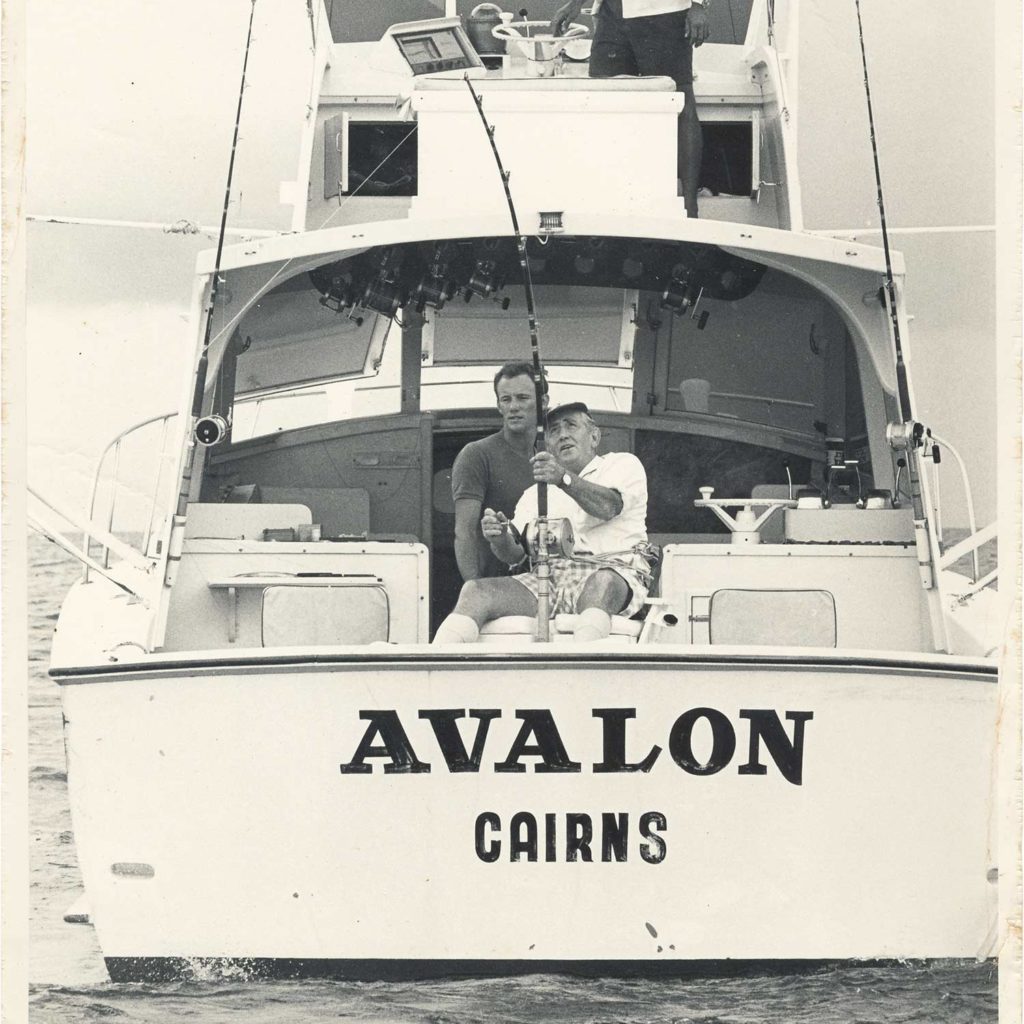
[[572, 837], [386, 740]]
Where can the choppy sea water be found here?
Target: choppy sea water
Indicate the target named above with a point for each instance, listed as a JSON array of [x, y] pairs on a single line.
[[68, 982]]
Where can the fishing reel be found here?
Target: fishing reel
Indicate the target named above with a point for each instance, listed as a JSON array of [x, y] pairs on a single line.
[[210, 430], [559, 537], [433, 291], [339, 291], [682, 293], [436, 287], [385, 293], [485, 280], [383, 297]]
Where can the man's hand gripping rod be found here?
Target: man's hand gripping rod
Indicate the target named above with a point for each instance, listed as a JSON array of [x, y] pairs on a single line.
[[542, 566]]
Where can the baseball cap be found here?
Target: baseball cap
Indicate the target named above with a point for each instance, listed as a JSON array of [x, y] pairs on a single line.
[[564, 410]]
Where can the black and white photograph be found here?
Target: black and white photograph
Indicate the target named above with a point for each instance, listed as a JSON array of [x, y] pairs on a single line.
[[512, 514]]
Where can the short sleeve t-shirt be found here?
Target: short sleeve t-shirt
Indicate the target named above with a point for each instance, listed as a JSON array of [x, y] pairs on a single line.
[[621, 471], [492, 472]]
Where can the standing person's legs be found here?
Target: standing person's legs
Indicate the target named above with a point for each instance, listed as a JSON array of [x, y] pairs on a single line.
[[691, 150], [661, 46], [611, 52]]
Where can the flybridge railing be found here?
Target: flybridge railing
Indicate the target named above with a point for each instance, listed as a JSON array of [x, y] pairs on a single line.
[[108, 473], [970, 546], [975, 538]]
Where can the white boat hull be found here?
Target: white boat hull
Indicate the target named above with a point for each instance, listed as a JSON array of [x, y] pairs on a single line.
[[214, 823]]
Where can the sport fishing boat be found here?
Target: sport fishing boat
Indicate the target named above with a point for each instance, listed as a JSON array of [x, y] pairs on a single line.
[[787, 756]]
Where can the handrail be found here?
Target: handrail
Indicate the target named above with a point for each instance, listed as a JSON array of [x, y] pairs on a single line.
[[156, 487], [969, 544], [58, 538], [972, 524], [115, 444], [125, 551]]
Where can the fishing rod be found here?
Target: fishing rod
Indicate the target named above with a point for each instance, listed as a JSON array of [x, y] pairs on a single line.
[[542, 566], [903, 388], [907, 436], [197, 399]]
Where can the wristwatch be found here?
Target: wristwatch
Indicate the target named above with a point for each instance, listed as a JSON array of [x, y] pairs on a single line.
[[566, 480]]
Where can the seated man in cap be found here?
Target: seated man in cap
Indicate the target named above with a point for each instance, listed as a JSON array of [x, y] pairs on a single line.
[[604, 497]]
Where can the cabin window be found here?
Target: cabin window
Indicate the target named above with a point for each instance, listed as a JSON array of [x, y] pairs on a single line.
[[779, 358], [679, 464], [582, 326], [361, 23], [290, 337], [365, 23], [728, 18], [369, 158], [727, 166]]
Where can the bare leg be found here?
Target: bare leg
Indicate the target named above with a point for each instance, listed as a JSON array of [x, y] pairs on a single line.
[[691, 151], [479, 602], [603, 595]]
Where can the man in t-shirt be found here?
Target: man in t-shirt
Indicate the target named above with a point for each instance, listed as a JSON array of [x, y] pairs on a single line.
[[651, 37], [604, 497], [494, 472]]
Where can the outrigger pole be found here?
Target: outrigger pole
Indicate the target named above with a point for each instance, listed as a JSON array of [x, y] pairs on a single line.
[[903, 389], [204, 359], [541, 564], [907, 436]]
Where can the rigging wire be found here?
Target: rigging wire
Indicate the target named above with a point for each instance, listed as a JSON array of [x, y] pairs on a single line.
[[182, 226], [230, 325], [541, 566]]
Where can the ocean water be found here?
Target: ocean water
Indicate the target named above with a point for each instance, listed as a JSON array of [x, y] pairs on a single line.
[[68, 982]]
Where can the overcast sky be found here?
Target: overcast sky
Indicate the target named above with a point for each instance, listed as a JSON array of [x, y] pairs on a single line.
[[131, 105]]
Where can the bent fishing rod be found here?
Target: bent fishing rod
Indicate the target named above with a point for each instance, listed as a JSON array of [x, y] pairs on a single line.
[[541, 563], [204, 359]]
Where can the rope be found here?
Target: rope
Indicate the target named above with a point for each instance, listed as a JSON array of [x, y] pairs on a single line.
[[182, 227]]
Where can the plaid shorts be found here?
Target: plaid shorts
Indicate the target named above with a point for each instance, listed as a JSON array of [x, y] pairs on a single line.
[[568, 576]]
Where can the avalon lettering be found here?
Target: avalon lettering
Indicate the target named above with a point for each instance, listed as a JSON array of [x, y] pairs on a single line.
[[540, 742]]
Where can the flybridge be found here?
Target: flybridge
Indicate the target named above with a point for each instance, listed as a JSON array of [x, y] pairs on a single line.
[[387, 740], [395, 134]]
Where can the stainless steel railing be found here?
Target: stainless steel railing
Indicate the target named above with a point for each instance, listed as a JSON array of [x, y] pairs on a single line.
[[113, 450]]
